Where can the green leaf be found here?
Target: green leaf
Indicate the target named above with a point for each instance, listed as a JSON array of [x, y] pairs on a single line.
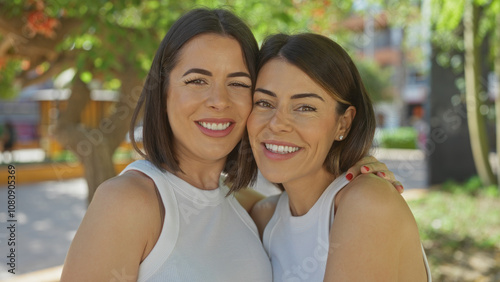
[[86, 76]]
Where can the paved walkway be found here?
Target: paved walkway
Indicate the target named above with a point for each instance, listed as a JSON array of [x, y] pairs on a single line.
[[49, 214]]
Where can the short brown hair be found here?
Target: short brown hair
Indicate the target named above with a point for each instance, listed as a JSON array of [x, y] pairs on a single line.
[[157, 133], [329, 65]]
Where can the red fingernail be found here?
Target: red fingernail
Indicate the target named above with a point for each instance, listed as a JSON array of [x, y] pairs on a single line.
[[383, 174], [366, 168], [349, 176]]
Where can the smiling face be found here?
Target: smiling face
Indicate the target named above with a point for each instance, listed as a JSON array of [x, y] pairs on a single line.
[[293, 124], [208, 98]]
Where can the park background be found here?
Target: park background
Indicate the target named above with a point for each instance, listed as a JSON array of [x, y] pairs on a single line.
[[71, 72]]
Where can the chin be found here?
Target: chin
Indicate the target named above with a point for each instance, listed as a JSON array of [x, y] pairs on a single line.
[[274, 177]]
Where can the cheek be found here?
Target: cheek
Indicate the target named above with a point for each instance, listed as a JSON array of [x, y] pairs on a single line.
[[321, 132], [327, 137], [173, 106], [244, 105], [253, 124]]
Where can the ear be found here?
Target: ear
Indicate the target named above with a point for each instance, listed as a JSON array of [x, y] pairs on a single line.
[[345, 122]]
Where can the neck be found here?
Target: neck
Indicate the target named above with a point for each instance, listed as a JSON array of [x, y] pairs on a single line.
[[303, 193], [201, 174]]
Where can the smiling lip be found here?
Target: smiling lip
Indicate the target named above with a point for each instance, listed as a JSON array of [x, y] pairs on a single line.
[[216, 127], [277, 150]]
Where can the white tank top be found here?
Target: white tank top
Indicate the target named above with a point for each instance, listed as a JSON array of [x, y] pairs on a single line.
[[298, 245], [206, 236]]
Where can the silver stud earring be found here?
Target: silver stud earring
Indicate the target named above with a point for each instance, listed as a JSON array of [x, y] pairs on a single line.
[[341, 137]]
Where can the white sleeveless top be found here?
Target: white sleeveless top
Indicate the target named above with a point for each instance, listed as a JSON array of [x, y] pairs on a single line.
[[206, 236], [298, 245]]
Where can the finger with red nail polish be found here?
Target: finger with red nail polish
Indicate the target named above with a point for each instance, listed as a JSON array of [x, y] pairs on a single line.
[[349, 176]]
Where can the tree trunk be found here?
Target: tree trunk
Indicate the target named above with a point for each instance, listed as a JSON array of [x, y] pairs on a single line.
[[95, 146], [448, 132], [497, 97], [98, 166], [476, 121]]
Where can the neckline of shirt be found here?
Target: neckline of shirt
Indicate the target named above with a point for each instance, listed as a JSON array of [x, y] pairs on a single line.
[[199, 196], [306, 220]]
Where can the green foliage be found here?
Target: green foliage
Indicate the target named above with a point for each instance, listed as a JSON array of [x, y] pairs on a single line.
[[113, 32], [120, 155], [376, 79], [64, 156], [472, 186], [447, 16], [123, 155], [457, 219], [455, 228], [8, 74], [86, 76], [398, 138]]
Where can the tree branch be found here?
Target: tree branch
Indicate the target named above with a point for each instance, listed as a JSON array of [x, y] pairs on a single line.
[[5, 45], [61, 63], [38, 45]]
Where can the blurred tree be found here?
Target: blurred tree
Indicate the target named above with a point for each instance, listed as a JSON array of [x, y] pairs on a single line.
[[479, 19], [496, 51], [464, 25], [113, 43], [376, 79]]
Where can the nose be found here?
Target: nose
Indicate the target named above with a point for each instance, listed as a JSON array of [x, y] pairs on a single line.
[[280, 122], [218, 98]]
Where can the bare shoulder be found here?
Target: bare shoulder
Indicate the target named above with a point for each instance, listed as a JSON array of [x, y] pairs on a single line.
[[373, 231], [120, 227], [262, 212], [372, 200], [369, 191], [126, 192]]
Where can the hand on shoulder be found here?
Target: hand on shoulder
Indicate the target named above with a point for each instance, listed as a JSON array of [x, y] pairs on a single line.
[[369, 191]]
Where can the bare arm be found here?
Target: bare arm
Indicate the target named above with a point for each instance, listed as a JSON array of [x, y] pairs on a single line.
[[120, 227], [374, 236], [248, 198], [263, 211]]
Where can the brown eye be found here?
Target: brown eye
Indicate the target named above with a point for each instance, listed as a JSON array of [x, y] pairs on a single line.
[[196, 81], [306, 108], [263, 104], [239, 84]]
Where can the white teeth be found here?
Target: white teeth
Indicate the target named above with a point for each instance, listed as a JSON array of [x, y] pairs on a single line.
[[281, 149], [215, 126]]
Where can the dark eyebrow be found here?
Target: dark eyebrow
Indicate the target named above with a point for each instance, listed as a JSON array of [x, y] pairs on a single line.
[[296, 96], [270, 93], [200, 71], [208, 73], [237, 74], [307, 95]]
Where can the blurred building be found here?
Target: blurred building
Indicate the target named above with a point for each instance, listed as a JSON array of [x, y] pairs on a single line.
[[377, 40], [35, 111], [52, 101], [24, 114]]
